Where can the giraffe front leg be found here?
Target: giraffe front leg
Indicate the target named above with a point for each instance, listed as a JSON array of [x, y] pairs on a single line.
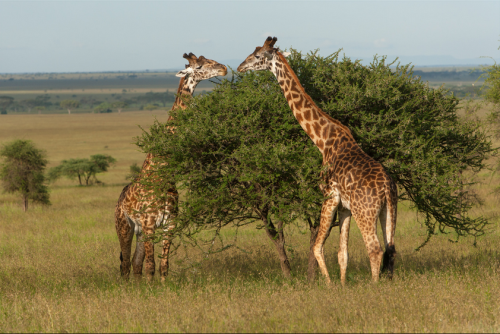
[[327, 214], [343, 256]]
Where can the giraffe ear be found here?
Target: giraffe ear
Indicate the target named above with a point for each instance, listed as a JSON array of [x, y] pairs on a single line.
[[286, 54], [185, 72]]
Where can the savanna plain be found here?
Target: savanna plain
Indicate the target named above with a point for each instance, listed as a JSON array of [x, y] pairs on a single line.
[[59, 264]]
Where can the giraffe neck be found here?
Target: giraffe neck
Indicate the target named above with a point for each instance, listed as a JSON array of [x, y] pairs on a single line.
[[186, 87], [326, 132]]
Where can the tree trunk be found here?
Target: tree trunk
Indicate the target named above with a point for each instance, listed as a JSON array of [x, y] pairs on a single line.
[[69, 111], [80, 179], [25, 203], [278, 238], [312, 265]]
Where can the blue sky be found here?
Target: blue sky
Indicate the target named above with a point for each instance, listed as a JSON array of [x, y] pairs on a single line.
[[80, 36]]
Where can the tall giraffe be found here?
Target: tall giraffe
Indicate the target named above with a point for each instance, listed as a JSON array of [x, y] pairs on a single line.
[[354, 182], [129, 219]]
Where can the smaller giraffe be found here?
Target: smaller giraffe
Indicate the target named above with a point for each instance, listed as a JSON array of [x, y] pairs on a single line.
[[134, 213], [354, 182]]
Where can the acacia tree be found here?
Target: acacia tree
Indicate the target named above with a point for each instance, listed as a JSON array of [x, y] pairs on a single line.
[[104, 107], [119, 105], [69, 105], [5, 102], [83, 169], [22, 171], [240, 156]]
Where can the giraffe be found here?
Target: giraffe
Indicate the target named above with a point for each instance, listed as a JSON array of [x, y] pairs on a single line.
[[129, 219], [355, 184]]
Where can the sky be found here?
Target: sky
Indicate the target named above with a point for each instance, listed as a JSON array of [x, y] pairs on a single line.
[[88, 35]]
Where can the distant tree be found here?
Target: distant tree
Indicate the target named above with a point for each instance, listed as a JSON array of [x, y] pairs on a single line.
[[5, 102], [83, 169], [69, 105], [39, 109], [22, 171], [135, 170], [90, 100], [29, 104], [119, 105], [151, 107], [104, 107], [151, 97]]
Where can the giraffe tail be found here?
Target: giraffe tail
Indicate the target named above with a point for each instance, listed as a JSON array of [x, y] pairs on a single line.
[[391, 195]]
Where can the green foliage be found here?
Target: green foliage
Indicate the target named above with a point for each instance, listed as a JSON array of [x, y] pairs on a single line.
[[491, 86], [151, 107], [39, 109], [135, 170], [22, 171], [83, 169], [69, 105], [104, 107], [119, 105], [5, 102], [150, 97], [241, 156]]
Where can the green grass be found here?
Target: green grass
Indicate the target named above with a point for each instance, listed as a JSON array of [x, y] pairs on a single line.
[[59, 265]]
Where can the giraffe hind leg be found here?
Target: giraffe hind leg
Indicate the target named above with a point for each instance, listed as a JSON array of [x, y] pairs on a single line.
[[343, 256], [387, 222], [125, 235], [139, 254], [368, 227]]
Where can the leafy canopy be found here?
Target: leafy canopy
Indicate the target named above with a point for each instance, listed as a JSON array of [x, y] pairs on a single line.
[[22, 171]]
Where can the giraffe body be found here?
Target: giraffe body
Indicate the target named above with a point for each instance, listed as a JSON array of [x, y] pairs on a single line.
[[133, 214], [355, 184]]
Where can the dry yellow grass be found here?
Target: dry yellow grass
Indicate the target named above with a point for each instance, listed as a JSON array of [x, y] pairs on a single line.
[[59, 265]]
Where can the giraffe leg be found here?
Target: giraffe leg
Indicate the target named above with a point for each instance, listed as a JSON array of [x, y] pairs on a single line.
[[139, 254], [150, 266], [166, 248], [345, 220], [170, 209], [164, 259], [327, 213], [368, 227], [125, 236], [388, 224]]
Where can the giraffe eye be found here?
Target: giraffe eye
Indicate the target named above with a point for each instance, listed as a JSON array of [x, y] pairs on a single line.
[[257, 57], [199, 67]]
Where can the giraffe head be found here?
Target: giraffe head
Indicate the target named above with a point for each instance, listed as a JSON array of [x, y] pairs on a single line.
[[201, 68], [262, 58]]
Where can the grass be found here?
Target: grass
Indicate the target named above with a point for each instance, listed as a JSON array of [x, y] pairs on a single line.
[[59, 267]]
